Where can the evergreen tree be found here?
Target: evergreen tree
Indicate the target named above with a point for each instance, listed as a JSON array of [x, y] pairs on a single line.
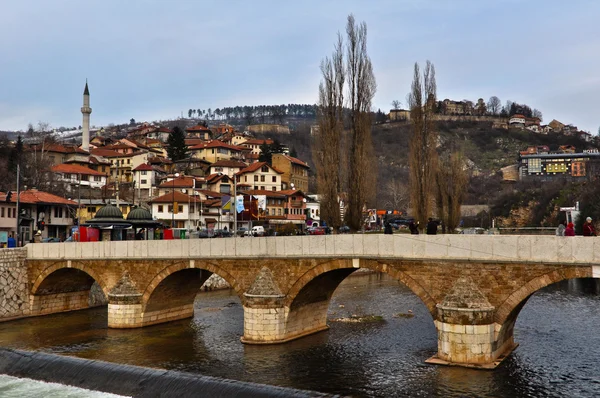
[[176, 149], [15, 155], [266, 154]]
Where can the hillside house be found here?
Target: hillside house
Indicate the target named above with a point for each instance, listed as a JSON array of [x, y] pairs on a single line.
[[294, 170], [261, 176]]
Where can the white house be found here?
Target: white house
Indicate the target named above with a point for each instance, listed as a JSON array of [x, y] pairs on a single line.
[[517, 121], [74, 174]]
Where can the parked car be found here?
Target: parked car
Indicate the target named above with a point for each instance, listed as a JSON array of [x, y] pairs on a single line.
[[316, 231], [242, 231], [222, 233], [51, 240], [257, 230], [344, 229]]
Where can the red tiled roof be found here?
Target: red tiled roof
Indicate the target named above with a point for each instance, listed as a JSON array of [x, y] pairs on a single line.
[[272, 194], [107, 153], [207, 192], [211, 179], [75, 169], [229, 163], [33, 196], [295, 161], [179, 182], [143, 167], [171, 197], [62, 148], [290, 192], [198, 127], [519, 116], [255, 166], [216, 144], [254, 141]]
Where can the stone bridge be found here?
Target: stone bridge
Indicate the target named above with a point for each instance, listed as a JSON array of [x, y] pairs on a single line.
[[473, 285]]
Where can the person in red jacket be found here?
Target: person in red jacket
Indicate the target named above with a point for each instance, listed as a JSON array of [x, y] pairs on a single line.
[[588, 227], [570, 230]]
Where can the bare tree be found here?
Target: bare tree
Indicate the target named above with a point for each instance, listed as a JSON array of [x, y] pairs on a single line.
[[396, 104], [398, 191], [494, 105], [326, 151], [361, 90], [537, 113], [451, 181], [423, 155]]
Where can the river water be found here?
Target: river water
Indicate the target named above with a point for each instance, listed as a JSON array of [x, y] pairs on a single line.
[[557, 330]]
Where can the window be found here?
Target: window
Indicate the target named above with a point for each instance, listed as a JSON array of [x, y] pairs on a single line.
[[256, 187], [67, 176], [144, 182], [91, 209], [274, 179], [262, 187], [1, 211], [191, 208], [262, 178], [279, 211], [143, 172], [255, 178], [128, 160], [225, 188], [245, 178], [218, 169], [274, 188], [97, 178], [265, 169], [160, 208], [534, 165]]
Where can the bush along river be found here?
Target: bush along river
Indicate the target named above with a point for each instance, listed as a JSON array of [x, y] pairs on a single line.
[[380, 335]]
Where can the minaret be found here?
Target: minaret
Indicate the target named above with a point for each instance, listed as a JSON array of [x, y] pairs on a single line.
[[86, 111]]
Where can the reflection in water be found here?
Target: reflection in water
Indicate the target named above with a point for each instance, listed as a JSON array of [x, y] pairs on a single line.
[[556, 329]]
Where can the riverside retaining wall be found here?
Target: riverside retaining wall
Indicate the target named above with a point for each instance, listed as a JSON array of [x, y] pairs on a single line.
[[14, 292]]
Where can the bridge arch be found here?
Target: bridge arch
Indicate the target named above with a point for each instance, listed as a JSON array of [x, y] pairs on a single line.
[[62, 273], [507, 313], [518, 298], [315, 279], [178, 284]]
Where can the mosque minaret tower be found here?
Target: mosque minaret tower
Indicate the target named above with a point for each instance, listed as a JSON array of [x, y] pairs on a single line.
[[86, 111]]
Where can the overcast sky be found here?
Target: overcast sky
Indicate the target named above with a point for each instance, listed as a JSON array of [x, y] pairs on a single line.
[[152, 60]]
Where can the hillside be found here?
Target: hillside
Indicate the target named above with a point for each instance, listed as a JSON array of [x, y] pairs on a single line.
[[487, 150]]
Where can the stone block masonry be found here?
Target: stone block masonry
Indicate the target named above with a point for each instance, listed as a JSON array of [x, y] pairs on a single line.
[[14, 292]]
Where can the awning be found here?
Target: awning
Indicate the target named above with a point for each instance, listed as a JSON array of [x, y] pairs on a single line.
[[210, 220]]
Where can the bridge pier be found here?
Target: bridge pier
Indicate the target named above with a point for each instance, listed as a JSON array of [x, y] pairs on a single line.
[[268, 319], [467, 333]]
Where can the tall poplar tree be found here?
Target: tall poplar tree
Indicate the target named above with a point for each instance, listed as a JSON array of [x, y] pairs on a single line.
[[339, 165], [423, 141]]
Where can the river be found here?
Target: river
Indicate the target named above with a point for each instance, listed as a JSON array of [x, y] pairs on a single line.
[[557, 331]]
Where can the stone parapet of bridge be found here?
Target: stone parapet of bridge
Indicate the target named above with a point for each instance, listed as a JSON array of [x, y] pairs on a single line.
[[497, 248]]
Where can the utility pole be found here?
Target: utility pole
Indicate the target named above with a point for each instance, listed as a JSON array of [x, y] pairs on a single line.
[[234, 206], [18, 211]]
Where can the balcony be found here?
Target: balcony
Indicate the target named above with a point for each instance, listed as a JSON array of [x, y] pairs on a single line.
[[297, 203]]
